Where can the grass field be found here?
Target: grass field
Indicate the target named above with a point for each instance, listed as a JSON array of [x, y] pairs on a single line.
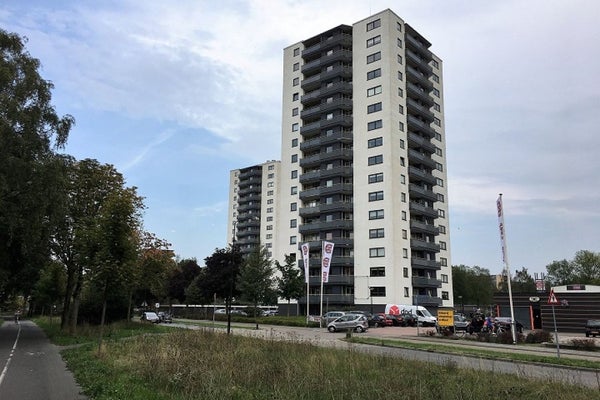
[[184, 364]]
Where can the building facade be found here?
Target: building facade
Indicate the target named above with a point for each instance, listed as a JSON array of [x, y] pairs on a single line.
[[363, 165]]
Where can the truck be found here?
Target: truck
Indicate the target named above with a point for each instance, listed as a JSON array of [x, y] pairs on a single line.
[[424, 317]]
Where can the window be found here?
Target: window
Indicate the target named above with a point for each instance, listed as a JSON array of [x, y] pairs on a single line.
[[271, 167], [376, 233], [402, 161], [297, 51], [374, 91], [402, 143], [399, 59], [376, 73], [294, 158], [435, 78], [440, 197], [294, 111], [401, 126], [442, 229], [294, 174], [441, 213], [374, 125], [444, 278], [269, 201], [371, 58], [403, 215], [270, 176], [294, 142], [269, 236], [443, 245], [399, 26], [293, 206], [293, 240], [405, 292], [295, 97], [270, 209], [373, 24], [270, 184], [437, 107], [400, 92], [376, 252], [436, 92], [294, 190], [399, 75], [376, 214], [401, 109], [377, 271], [439, 182], [376, 196], [296, 82], [269, 227], [270, 193], [378, 159], [405, 272], [435, 64], [375, 142], [404, 234], [296, 66], [295, 127], [373, 41], [399, 43], [377, 291], [293, 223], [437, 121], [403, 197], [445, 296], [374, 178], [405, 253], [269, 219], [371, 108], [438, 151], [444, 261]]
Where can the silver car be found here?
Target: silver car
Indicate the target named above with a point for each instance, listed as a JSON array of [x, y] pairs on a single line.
[[332, 316], [354, 322]]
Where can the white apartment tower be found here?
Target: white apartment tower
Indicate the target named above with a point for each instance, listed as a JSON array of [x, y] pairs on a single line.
[[363, 165]]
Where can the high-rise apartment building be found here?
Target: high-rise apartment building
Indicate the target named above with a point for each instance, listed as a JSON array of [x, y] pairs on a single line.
[[363, 166]]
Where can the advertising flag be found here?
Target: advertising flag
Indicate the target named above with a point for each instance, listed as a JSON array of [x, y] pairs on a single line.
[[305, 257], [501, 225], [327, 254]]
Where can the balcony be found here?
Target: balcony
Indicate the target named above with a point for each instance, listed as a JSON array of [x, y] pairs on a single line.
[[249, 173], [332, 300], [250, 181], [343, 154], [418, 61], [416, 76], [338, 87], [311, 83], [423, 263], [344, 224], [311, 67], [420, 93], [421, 227], [422, 281], [341, 71], [417, 244], [311, 112], [249, 190], [416, 157], [419, 209], [313, 95], [416, 125], [422, 110], [427, 301], [418, 46], [341, 120], [311, 144], [246, 207], [311, 128], [416, 141], [337, 104], [418, 192], [420, 175], [325, 173]]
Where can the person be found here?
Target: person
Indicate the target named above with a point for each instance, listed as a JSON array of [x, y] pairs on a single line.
[[489, 323], [17, 316]]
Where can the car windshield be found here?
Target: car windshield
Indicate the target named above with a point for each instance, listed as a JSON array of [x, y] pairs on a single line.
[[426, 313]]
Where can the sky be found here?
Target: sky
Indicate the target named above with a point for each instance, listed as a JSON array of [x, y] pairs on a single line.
[[175, 94]]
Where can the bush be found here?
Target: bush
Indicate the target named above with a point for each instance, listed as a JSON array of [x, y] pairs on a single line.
[[538, 336], [584, 344]]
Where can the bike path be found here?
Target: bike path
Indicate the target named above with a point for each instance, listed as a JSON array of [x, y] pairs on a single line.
[[31, 367]]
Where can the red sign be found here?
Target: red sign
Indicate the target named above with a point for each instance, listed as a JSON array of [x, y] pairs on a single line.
[[552, 300]]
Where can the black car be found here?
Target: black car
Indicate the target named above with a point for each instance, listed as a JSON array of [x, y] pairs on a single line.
[[592, 327], [377, 321], [165, 317]]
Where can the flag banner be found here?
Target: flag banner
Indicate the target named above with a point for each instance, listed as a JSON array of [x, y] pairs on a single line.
[[501, 225], [305, 257], [327, 254]]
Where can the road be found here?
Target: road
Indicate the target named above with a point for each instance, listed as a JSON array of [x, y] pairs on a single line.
[[31, 367]]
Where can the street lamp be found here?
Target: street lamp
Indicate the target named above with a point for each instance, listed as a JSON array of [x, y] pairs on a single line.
[[462, 305], [371, 297]]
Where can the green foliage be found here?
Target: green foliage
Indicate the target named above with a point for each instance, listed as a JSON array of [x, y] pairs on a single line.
[[181, 278], [538, 336], [583, 269], [220, 274], [30, 130], [290, 282], [50, 288], [474, 284], [255, 281]]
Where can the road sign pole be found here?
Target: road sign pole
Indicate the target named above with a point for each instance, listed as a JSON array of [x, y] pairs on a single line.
[[555, 333]]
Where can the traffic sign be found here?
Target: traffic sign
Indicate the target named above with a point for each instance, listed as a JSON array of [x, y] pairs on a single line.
[[552, 300]]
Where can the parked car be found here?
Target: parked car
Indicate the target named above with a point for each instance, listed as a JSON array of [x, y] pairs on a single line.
[[386, 319], [377, 321], [241, 313], [221, 311], [461, 323], [503, 323], [165, 317], [592, 327], [354, 322], [150, 316], [332, 316]]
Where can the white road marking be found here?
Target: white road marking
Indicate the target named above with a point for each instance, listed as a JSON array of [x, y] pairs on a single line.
[[12, 352]]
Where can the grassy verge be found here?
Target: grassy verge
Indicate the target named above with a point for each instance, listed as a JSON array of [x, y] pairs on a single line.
[[480, 352], [185, 364]]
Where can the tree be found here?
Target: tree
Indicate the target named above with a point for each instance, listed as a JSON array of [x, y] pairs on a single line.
[[255, 281], [522, 282], [181, 278], [290, 284], [560, 273], [474, 284], [586, 267], [30, 131], [49, 289]]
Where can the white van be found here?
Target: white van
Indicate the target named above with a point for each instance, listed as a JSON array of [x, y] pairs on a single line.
[[423, 315]]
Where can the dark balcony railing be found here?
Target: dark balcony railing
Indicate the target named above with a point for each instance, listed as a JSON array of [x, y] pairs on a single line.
[[417, 174], [419, 142], [420, 109], [417, 226], [423, 263], [419, 209], [418, 192], [422, 281], [420, 93], [425, 301], [416, 157], [417, 244]]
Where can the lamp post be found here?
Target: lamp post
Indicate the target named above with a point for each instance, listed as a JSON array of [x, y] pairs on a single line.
[[231, 276], [462, 305], [371, 297]]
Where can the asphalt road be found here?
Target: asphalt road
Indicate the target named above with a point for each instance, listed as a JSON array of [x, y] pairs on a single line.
[[31, 368]]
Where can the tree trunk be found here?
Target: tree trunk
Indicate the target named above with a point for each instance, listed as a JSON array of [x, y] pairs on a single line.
[[76, 301]]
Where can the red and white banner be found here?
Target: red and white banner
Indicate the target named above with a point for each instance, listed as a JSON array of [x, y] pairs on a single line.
[[305, 257], [501, 225], [327, 255]]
